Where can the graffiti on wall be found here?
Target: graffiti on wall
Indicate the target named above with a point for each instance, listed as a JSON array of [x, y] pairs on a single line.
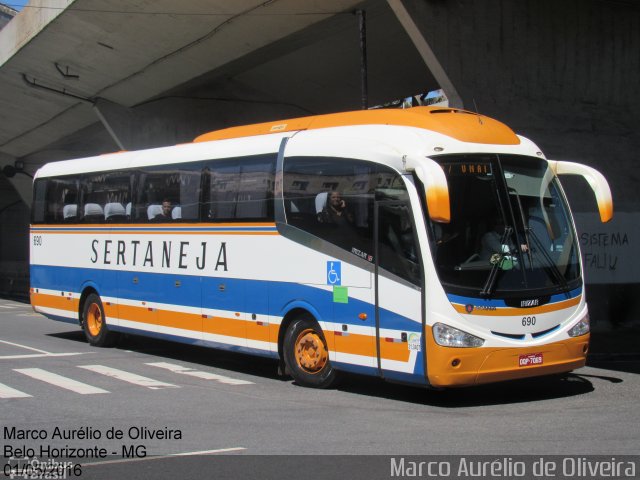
[[610, 251]]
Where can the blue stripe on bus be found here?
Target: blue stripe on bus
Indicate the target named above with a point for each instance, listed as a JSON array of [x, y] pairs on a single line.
[[238, 295], [501, 303]]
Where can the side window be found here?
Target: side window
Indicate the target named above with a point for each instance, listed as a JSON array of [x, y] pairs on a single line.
[[334, 199], [39, 207], [105, 197], [56, 200], [240, 189], [169, 193], [397, 246]]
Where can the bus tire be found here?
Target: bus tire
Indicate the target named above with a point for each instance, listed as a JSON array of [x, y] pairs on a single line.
[[94, 324], [306, 354]]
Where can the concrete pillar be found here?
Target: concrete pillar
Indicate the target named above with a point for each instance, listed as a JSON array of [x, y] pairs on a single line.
[[426, 52], [21, 183], [119, 122]]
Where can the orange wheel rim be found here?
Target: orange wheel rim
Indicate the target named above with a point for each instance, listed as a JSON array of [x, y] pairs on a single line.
[[94, 319], [310, 351]]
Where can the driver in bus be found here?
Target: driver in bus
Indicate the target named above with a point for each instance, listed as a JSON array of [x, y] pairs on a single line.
[[491, 242]]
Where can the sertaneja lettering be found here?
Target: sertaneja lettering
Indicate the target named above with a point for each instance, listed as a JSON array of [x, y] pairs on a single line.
[[181, 254]]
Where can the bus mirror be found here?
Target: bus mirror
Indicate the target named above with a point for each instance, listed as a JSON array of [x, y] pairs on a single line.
[[436, 190], [596, 181]]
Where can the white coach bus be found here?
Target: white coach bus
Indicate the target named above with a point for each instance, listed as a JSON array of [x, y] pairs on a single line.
[[429, 246]]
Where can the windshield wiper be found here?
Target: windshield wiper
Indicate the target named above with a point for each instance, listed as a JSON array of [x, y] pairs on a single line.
[[496, 260], [552, 265], [526, 233]]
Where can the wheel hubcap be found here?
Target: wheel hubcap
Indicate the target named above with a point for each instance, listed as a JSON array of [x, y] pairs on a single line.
[[94, 319], [311, 353]]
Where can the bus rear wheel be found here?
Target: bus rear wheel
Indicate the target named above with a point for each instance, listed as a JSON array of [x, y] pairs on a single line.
[[94, 324], [306, 354]]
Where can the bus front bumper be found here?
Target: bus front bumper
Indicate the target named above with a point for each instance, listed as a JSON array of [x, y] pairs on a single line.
[[457, 367]]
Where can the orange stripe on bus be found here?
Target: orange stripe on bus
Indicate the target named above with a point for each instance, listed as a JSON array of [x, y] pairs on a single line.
[[353, 343], [551, 307], [357, 344], [459, 124], [55, 301]]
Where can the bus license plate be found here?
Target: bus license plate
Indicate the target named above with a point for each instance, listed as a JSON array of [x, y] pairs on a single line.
[[530, 359]]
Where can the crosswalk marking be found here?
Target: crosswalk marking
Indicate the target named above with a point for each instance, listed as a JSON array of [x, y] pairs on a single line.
[[86, 389], [60, 381], [128, 377], [8, 392], [199, 374]]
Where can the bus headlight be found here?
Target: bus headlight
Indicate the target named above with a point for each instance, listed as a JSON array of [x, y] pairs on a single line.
[[452, 337], [580, 328]]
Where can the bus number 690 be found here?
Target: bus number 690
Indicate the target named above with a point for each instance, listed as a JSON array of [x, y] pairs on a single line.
[[528, 321]]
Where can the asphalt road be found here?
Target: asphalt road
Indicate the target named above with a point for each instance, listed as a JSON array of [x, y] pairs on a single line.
[[228, 404]]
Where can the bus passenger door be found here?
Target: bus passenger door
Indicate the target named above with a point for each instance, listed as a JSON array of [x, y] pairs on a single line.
[[353, 315], [398, 293]]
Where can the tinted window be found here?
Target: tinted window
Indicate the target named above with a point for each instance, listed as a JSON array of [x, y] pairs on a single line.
[[39, 201], [105, 197], [510, 228], [240, 189], [55, 200], [333, 198], [168, 193]]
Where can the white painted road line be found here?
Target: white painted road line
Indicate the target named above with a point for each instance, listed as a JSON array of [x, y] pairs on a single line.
[[128, 377], [25, 346], [41, 355], [159, 457], [199, 374], [7, 306], [60, 381], [8, 392], [207, 452]]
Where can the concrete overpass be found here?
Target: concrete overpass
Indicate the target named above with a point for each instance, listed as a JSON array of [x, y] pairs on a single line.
[[84, 77]]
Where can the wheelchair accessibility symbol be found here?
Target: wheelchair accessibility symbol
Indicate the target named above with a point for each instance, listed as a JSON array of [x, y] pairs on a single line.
[[334, 273]]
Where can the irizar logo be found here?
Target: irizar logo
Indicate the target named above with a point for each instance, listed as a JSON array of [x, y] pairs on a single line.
[[530, 303]]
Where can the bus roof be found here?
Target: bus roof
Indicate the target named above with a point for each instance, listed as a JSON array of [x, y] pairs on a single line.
[[462, 125]]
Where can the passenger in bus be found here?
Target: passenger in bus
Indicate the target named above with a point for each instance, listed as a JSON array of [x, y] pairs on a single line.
[[165, 215], [335, 211]]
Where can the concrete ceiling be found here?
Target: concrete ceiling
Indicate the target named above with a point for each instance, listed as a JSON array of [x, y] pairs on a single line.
[[127, 52], [300, 54]]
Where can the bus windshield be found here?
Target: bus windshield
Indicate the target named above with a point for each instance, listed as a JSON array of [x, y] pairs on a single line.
[[510, 228]]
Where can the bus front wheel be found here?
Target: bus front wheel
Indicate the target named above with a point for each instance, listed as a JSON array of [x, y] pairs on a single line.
[[94, 324], [306, 354]]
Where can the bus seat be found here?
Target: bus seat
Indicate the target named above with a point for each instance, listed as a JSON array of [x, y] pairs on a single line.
[[127, 210], [541, 232], [153, 211], [321, 201], [176, 213], [69, 212], [114, 212], [93, 213]]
